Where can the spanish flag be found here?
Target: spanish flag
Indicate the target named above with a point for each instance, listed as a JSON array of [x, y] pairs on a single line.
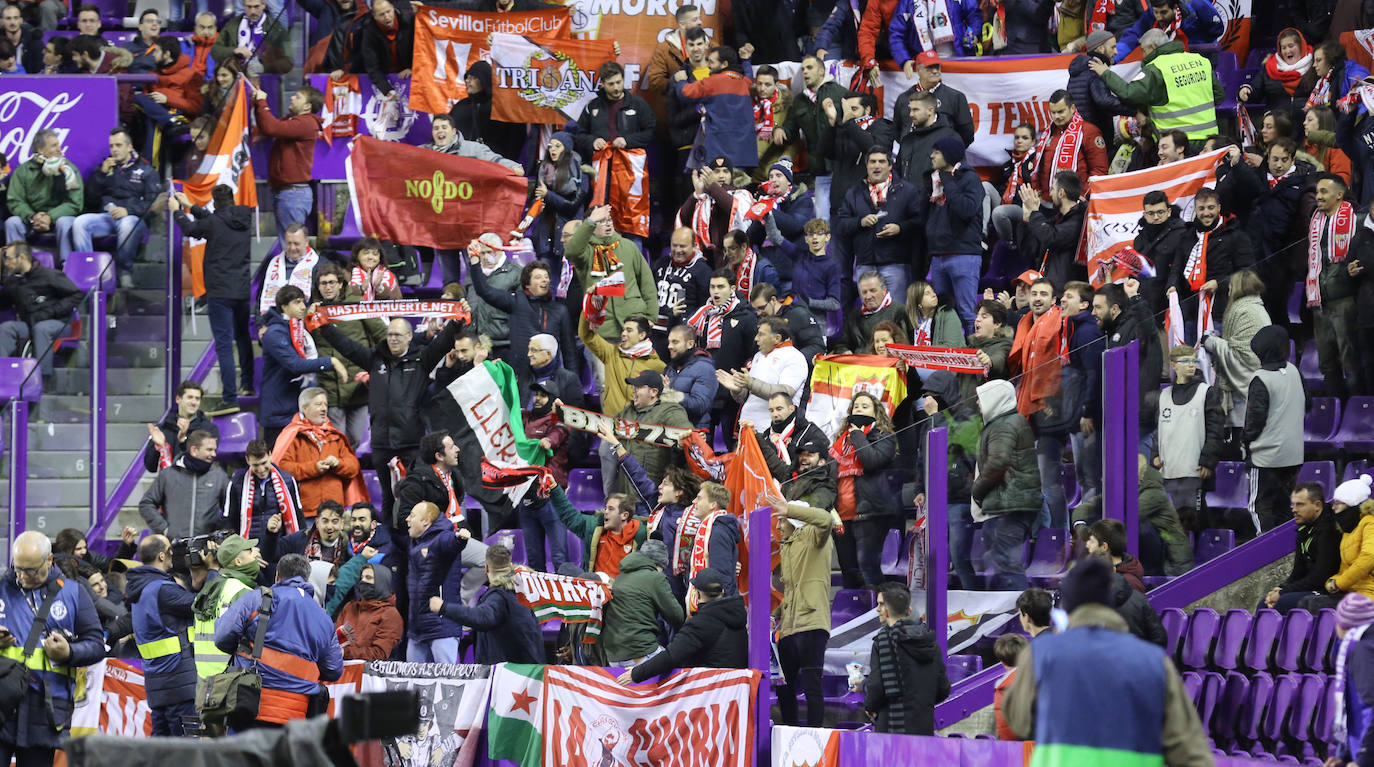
[[838, 377]]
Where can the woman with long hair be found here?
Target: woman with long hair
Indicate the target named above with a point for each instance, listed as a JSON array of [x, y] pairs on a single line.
[[370, 278], [565, 189], [1284, 82], [1235, 364], [218, 88], [934, 321], [1319, 128], [868, 503]]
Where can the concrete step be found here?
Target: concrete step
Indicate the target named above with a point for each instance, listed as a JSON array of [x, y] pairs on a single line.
[[133, 408], [58, 493], [73, 436], [139, 302], [51, 520], [118, 381], [133, 354], [140, 328], [75, 463]]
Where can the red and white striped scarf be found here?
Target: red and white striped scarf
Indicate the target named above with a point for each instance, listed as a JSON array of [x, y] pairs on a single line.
[[763, 116], [290, 513], [744, 273], [780, 439], [164, 455], [358, 547], [1014, 183], [1101, 10], [455, 509], [1066, 152], [877, 193], [1339, 230], [1321, 92], [708, 321], [302, 276], [937, 188], [687, 528], [922, 332], [701, 550], [701, 216], [865, 121], [1175, 29], [364, 282], [886, 302], [1273, 181]]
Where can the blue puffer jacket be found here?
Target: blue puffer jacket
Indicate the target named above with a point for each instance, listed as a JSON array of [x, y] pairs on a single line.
[[73, 611], [162, 611], [956, 227], [132, 186], [965, 19], [1200, 24], [696, 380], [280, 366], [432, 558], [298, 626]]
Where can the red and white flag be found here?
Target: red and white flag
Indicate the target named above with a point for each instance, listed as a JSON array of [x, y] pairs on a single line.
[[697, 716], [939, 358]]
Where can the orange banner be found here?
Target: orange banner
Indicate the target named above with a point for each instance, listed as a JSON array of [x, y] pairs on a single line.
[[543, 80], [448, 41]]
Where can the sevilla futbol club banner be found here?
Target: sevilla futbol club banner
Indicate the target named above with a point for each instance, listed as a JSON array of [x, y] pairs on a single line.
[[703, 716], [1114, 208], [448, 41], [407, 194]]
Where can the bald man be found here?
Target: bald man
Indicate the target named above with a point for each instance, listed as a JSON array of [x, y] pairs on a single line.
[[71, 637], [683, 285]]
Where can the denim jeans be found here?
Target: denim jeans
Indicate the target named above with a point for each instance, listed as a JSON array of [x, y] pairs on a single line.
[[895, 276], [229, 326], [961, 531], [14, 333], [1049, 451], [823, 198], [293, 205], [433, 651], [1005, 537], [957, 276], [1087, 464], [17, 229], [169, 721], [869, 535], [539, 522], [128, 233]]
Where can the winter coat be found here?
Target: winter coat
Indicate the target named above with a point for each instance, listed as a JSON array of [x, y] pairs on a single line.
[[1008, 478], [525, 315], [951, 107], [962, 422], [472, 117], [806, 120], [1137, 324], [1200, 24], [904, 207], [181, 84], [715, 637], [487, 318], [272, 54], [300, 459], [298, 626], [378, 57], [1363, 284], [808, 334], [1355, 137], [282, 366], [847, 152], [965, 20], [348, 393], [727, 127], [875, 497], [1136, 610], [906, 680], [373, 627], [654, 458], [736, 349], [786, 221], [642, 596], [199, 422], [181, 503], [421, 484], [1095, 101], [913, 153], [1149, 92], [1027, 27], [641, 292], [264, 503], [1316, 555], [857, 336], [770, 26], [132, 186], [665, 60], [634, 122], [873, 36], [955, 226], [77, 614], [506, 630], [805, 557], [162, 610], [1356, 573], [1235, 364], [32, 192], [461, 146], [998, 348], [432, 556], [1277, 216], [619, 366], [227, 234], [1132, 571], [1229, 249], [816, 283], [562, 203], [397, 385], [1086, 344], [695, 384], [1050, 240], [688, 283], [1091, 160]]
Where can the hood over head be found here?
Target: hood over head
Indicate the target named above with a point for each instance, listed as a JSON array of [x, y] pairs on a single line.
[[1270, 345], [996, 398]]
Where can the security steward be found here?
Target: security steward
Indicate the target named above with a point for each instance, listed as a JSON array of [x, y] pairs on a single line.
[[162, 620], [239, 565], [38, 714], [1179, 88], [300, 649]]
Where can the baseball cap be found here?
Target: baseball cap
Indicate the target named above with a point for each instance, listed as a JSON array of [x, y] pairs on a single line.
[[647, 378], [928, 59], [709, 580], [233, 546], [812, 443], [1029, 277]]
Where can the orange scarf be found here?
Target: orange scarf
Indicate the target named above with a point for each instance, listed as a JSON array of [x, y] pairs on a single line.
[[1039, 342]]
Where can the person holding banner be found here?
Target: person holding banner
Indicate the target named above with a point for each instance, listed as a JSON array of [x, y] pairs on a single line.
[[348, 394], [290, 166], [727, 119]]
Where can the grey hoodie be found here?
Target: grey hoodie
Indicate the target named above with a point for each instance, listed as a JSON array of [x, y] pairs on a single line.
[[182, 503]]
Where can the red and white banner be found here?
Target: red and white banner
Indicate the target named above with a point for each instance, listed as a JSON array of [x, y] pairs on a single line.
[[836, 378], [1114, 209], [544, 80], [370, 310], [622, 181], [697, 716], [1236, 39], [939, 358], [571, 600]]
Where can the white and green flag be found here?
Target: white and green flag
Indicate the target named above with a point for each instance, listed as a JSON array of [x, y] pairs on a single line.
[[515, 716], [490, 401]]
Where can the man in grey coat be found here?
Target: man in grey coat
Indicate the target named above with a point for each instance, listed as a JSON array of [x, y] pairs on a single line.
[[185, 499]]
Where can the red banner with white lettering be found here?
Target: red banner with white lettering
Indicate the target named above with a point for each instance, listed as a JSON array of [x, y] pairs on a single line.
[[939, 358]]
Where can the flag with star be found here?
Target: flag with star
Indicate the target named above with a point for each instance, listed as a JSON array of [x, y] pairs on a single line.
[[516, 713]]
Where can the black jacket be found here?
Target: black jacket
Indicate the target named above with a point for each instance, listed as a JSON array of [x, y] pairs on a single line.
[[904, 207], [422, 484], [955, 227], [807, 334], [1276, 217], [716, 637], [506, 630], [1095, 101], [874, 493], [1363, 251], [168, 425], [771, 26], [906, 680], [1136, 610], [736, 341], [913, 153], [397, 385], [227, 234], [848, 151], [377, 59], [1163, 244], [472, 117], [1270, 346], [132, 186], [1317, 555], [1229, 250], [1050, 240], [950, 104], [40, 294], [634, 122], [1136, 323], [528, 317]]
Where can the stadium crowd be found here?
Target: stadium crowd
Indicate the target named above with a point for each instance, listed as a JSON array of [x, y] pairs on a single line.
[[820, 226]]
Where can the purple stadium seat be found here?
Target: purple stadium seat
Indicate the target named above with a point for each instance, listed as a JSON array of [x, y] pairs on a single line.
[[892, 548], [89, 270], [513, 540], [1321, 472], [1250, 722], [585, 490], [1233, 695], [1276, 716], [1292, 636], [1322, 421], [1192, 684], [849, 604], [1311, 690], [963, 666], [1232, 488], [1175, 622], [1214, 543], [1049, 558], [235, 432], [1295, 301], [1212, 686], [1197, 639], [834, 686], [374, 487], [43, 257], [1235, 624], [1311, 375], [1259, 643], [1357, 426], [1317, 655], [1354, 469], [1326, 713], [1068, 477]]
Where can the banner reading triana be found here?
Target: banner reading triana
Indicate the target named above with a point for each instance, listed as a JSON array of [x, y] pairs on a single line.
[[939, 358], [448, 41], [542, 80]]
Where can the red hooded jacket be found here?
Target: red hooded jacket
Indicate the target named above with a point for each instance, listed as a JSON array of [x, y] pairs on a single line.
[[180, 83]]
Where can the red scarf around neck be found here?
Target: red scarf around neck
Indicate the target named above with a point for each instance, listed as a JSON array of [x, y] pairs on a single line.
[[708, 321], [286, 502], [1338, 229], [886, 302]]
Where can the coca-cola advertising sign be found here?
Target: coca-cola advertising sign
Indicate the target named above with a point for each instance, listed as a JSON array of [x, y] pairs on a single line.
[[81, 109]]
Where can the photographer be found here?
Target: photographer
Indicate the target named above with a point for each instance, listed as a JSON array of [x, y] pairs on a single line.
[[161, 614]]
